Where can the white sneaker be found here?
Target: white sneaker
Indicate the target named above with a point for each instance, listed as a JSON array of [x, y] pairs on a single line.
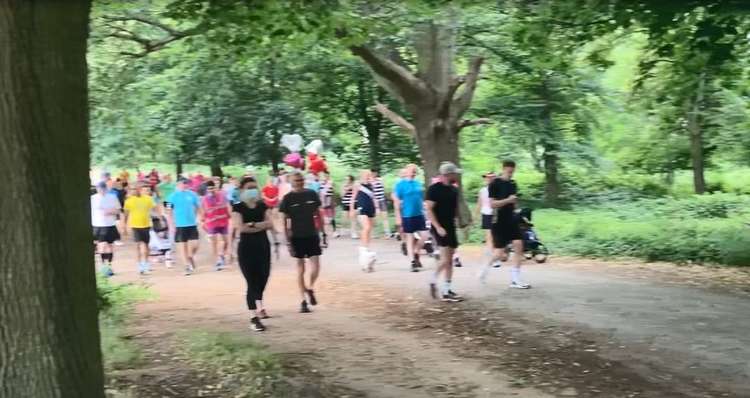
[[336, 234], [519, 285], [355, 236], [189, 270]]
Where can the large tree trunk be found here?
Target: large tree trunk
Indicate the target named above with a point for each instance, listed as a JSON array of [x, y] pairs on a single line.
[[695, 130], [49, 339], [551, 175], [431, 96], [372, 128], [178, 166]]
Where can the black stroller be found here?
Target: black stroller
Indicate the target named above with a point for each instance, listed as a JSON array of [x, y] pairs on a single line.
[[533, 248]]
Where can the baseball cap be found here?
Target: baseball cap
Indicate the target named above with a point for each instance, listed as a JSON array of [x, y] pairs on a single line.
[[101, 185], [182, 179], [449, 168]]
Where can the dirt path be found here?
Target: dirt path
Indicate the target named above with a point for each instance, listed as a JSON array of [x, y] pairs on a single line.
[[586, 329]]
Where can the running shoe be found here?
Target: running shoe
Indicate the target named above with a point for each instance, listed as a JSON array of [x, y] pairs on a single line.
[[311, 296], [455, 295], [263, 314], [497, 264], [433, 290], [450, 299], [336, 234], [256, 325], [355, 236], [189, 270], [416, 260], [304, 308], [414, 267], [219, 265], [520, 285], [106, 271], [457, 262], [403, 249]]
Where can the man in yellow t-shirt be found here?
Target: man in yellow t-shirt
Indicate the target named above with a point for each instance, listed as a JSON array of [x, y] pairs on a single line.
[[138, 217]]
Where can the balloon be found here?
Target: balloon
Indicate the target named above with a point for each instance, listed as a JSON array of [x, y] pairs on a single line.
[[318, 165], [315, 146], [295, 160], [292, 142]]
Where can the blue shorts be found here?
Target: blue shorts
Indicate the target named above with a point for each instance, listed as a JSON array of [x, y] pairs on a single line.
[[413, 224]]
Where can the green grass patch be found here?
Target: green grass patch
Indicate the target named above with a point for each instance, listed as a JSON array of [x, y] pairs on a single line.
[[246, 367], [115, 306]]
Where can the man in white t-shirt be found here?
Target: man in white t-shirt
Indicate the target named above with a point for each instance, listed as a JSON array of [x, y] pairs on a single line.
[[104, 211]]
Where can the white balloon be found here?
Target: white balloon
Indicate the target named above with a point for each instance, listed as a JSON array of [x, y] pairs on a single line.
[[315, 146], [292, 142]]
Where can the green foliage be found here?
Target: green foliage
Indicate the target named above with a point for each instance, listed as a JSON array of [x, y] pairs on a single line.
[[232, 355], [702, 229], [115, 302]]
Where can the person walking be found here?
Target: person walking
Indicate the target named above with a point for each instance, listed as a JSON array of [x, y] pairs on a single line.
[[216, 213], [184, 207], [251, 217], [104, 211], [329, 207], [408, 195], [138, 208], [442, 209], [506, 230], [347, 190], [380, 203], [302, 215], [485, 210], [362, 207]]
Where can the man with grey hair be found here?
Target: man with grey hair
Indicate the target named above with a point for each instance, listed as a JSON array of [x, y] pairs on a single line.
[[303, 221], [442, 209]]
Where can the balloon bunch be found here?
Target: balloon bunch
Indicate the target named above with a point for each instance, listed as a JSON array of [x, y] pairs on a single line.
[[316, 163]]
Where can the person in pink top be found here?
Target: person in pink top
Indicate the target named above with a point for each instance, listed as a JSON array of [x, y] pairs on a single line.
[[216, 216]]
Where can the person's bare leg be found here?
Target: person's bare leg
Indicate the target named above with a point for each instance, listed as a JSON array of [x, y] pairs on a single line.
[[410, 249], [446, 268], [301, 278], [192, 246], [215, 245], [515, 270], [314, 271]]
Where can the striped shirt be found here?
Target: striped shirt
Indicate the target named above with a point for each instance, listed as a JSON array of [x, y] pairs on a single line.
[[347, 198], [378, 189]]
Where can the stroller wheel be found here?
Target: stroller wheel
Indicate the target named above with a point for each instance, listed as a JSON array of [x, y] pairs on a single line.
[[540, 258], [528, 255]]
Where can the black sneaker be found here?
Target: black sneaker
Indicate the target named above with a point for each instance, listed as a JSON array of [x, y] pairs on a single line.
[[256, 325], [457, 262], [304, 308], [414, 266], [433, 290], [403, 249], [428, 248], [455, 295], [450, 299], [417, 262], [311, 295]]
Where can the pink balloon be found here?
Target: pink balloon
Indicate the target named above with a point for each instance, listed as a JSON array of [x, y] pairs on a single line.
[[294, 160]]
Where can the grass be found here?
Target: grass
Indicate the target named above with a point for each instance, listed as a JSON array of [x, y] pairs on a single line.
[[246, 367], [115, 306]]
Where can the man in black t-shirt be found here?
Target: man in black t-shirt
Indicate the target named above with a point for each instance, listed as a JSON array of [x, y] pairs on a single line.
[[503, 194], [442, 209], [302, 223]]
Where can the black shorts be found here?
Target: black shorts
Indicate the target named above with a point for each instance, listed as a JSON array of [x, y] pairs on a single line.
[[106, 234], [449, 240], [486, 221], [142, 235], [184, 234], [345, 206], [505, 232], [366, 211], [305, 247], [413, 224]]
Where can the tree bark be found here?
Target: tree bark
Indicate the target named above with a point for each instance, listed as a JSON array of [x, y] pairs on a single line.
[[551, 147], [216, 169], [178, 166], [49, 338], [695, 130]]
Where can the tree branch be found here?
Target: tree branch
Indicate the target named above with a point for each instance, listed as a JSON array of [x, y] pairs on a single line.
[[148, 44], [407, 87], [473, 122], [447, 100], [395, 118], [461, 104]]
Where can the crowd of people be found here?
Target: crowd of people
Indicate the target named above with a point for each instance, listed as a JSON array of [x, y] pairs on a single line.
[[241, 218]]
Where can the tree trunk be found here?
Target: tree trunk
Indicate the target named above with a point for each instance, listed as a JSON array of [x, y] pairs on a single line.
[[372, 129], [431, 96], [49, 338], [695, 130], [178, 167], [551, 175], [216, 169]]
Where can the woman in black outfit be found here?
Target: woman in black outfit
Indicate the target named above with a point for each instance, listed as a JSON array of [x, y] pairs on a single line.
[[252, 218]]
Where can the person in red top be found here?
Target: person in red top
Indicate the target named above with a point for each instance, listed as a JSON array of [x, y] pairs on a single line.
[[270, 194], [216, 215]]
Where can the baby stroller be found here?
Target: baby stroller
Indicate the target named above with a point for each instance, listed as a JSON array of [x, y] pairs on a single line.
[[533, 248], [160, 243]]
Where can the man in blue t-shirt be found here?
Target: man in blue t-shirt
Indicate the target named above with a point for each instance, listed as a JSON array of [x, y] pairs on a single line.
[[408, 200], [184, 207]]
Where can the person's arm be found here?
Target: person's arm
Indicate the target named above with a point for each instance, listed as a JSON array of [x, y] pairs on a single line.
[[430, 205], [396, 207], [497, 203], [353, 201]]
